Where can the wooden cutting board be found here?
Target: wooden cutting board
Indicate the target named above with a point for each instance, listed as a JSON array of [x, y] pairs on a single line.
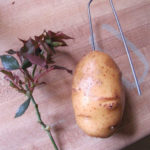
[[24, 18]]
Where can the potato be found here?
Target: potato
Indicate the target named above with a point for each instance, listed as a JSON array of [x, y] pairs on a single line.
[[97, 95]]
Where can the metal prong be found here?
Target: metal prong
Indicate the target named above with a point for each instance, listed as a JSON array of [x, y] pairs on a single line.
[[91, 28], [126, 47]]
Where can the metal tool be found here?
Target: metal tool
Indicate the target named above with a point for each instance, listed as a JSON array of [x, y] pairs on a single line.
[[90, 22], [123, 39]]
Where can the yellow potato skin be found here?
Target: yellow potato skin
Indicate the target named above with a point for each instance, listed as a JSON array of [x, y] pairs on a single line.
[[97, 95]]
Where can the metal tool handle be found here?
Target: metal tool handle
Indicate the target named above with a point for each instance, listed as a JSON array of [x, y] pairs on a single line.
[[123, 39], [90, 22], [126, 47]]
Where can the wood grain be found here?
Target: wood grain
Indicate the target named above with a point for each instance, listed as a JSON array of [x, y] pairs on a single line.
[[27, 18]]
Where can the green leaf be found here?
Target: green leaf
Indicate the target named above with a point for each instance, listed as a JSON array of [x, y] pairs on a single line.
[[9, 62], [56, 44], [23, 108], [48, 41], [26, 64]]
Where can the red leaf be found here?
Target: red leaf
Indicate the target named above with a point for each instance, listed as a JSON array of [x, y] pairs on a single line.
[[17, 80], [39, 38], [51, 34], [36, 60], [29, 46], [61, 35], [10, 77], [62, 68], [23, 41], [11, 52], [49, 59], [8, 74], [40, 49], [58, 35]]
